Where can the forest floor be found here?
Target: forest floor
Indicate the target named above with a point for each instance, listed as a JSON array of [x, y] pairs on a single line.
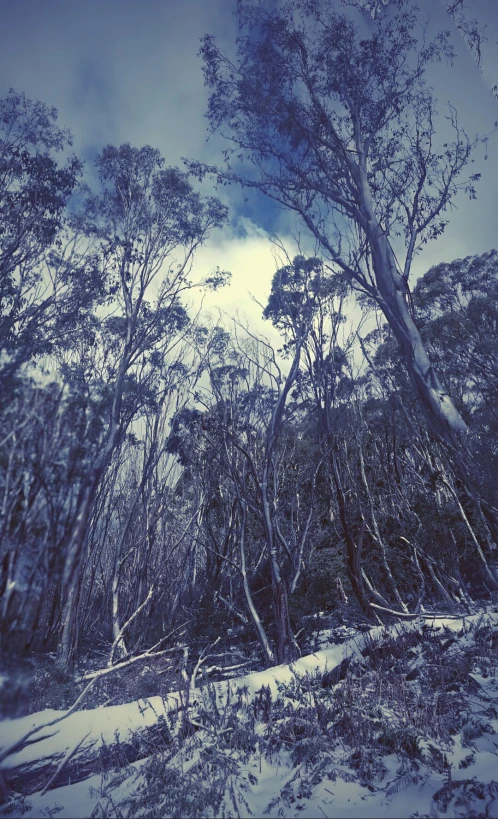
[[397, 721]]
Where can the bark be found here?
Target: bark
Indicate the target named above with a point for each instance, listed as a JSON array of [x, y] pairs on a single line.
[[353, 548], [68, 642], [258, 625], [437, 405]]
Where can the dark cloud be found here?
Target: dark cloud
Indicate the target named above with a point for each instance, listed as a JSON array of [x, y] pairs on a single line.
[[117, 70]]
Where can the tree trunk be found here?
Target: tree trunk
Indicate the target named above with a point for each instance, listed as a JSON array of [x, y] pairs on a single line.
[[442, 416], [73, 569], [258, 625], [280, 601], [353, 550], [68, 643]]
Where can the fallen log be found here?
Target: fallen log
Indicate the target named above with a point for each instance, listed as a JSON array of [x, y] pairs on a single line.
[[54, 748], [87, 757]]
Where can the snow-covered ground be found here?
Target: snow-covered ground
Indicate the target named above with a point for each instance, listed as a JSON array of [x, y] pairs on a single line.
[[270, 716]]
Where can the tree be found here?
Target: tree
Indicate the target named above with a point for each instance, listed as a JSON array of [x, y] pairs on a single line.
[[340, 127], [300, 291], [457, 308], [46, 443], [245, 431], [42, 274], [148, 221], [459, 323]]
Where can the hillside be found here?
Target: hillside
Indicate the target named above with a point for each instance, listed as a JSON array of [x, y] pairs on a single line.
[[397, 721]]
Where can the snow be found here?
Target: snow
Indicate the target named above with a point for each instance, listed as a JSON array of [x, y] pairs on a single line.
[[76, 801], [100, 724], [397, 793]]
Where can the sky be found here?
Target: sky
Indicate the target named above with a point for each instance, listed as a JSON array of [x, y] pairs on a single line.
[[128, 71]]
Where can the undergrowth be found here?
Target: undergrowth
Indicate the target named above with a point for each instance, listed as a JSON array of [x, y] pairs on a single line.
[[406, 694]]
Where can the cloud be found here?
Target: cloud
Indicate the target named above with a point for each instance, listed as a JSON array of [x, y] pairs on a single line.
[[248, 253], [118, 71], [125, 71]]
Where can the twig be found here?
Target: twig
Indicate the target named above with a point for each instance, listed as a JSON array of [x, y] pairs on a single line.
[[202, 658], [128, 624]]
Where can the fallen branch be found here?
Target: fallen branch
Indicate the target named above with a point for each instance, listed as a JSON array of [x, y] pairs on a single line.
[[424, 616], [404, 614], [147, 655], [221, 670], [179, 628], [64, 762]]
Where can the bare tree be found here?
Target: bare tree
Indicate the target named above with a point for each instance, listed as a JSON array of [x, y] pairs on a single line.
[[143, 217]]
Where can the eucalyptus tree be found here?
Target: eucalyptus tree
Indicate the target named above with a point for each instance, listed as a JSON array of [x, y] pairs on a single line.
[[148, 222], [213, 442], [459, 322], [335, 121], [338, 124], [50, 287], [457, 319], [303, 290], [457, 307], [47, 435], [242, 431], [47, 279]]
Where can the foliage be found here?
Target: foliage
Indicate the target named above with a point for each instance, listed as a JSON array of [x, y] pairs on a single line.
[[166, 483], [403, 700]]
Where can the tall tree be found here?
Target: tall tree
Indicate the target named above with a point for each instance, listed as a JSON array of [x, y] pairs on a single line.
[[37, 283], [339, 125], [336, 122], [149, 223]]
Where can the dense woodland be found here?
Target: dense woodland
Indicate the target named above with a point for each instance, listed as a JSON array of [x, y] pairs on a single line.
[[167, 480]]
